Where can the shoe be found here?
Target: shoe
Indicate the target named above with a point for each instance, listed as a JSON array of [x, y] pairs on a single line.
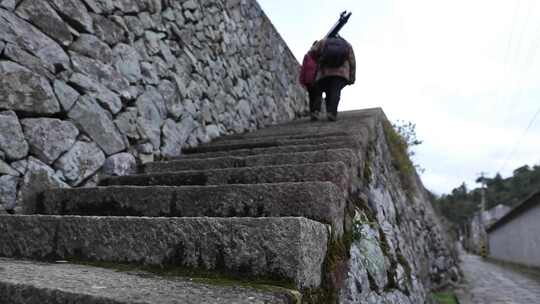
[[314, 116], [331, 116]]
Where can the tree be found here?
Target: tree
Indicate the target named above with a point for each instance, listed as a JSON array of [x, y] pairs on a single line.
[[460, 205]]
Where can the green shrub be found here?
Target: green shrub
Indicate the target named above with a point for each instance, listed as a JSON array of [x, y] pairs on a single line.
[[399, 149]]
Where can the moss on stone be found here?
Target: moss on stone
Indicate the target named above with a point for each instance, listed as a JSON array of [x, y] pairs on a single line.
[[404, 263], [335, 267], [445, 298], [216, 278], [337, 256], [367, 172]]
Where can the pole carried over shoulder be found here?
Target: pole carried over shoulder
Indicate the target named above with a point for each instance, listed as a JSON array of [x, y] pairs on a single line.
[[343, 19]]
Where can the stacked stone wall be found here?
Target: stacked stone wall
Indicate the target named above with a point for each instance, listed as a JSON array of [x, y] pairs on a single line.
[[399, 251], [91, 87]]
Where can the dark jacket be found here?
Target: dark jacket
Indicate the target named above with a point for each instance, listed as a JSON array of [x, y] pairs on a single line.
[[347, 70]]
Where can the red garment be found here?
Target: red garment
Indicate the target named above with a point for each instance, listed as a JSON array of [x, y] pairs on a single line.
[[308, 72]]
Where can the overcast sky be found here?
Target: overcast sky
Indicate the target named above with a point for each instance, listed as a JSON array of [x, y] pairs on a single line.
[[465, 71]]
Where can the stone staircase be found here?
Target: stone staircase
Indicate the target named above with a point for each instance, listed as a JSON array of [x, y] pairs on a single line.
[[256, 207]]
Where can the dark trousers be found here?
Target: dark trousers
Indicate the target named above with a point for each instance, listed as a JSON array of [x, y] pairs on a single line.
[[332, 87]]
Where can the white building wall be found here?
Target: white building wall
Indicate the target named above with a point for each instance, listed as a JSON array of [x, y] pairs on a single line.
[[518, 241]]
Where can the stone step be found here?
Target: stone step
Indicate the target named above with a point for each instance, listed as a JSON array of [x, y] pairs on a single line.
[[263, 143], [288, 249], [273, 150], [300, 127], [345, 155], [290, 135], [26, 282], [351, 122], [299, 139], [320, 201], [335, 172]]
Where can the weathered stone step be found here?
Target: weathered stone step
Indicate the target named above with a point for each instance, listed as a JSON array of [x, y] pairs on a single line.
[[289, 248], [320, 201], [349, 124], [298, 139], [345, 155], [262, 143], [273, 150], [290, 135], [335, 172], [25, 282], [301, 127]]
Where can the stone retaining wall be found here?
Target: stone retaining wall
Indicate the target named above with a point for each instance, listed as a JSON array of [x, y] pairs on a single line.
[[400, 251], [98, 86]]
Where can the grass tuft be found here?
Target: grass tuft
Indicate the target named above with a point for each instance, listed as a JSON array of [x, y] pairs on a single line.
[[400, 158], [445, 298]]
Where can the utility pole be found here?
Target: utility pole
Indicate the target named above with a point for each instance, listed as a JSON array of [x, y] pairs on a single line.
[[482, 180], [483, 238]]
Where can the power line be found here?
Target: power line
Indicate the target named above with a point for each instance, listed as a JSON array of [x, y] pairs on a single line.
[[508, 48], [518, 78], [526, 64], [531, 123]]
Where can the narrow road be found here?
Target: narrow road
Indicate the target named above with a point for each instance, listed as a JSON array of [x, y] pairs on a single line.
[[492, 283]]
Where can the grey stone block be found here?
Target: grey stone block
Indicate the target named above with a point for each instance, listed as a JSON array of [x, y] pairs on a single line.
[[75, 11], [80, 162], [126, 60], [91, 46], [24, 282], [16, 54], [302, 138], [149, 120], [174, 136], [290, 249], [320, 201], [67, 96], [107, 30], [345, 155], [105, 74], [97, 123], [271, 150], [120, 164], [349, 122], [108, 99], [42, 15], [49, 138], [289, 135], [265, 143], [8, 4], [12, 28], [100, 6], [8, 191], [23, 90], [6, 169], [38, 178], [335, 172], [12, 141]]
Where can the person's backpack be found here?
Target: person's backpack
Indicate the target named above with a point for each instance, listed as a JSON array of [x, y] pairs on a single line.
[[308, 72], [334, 53]]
